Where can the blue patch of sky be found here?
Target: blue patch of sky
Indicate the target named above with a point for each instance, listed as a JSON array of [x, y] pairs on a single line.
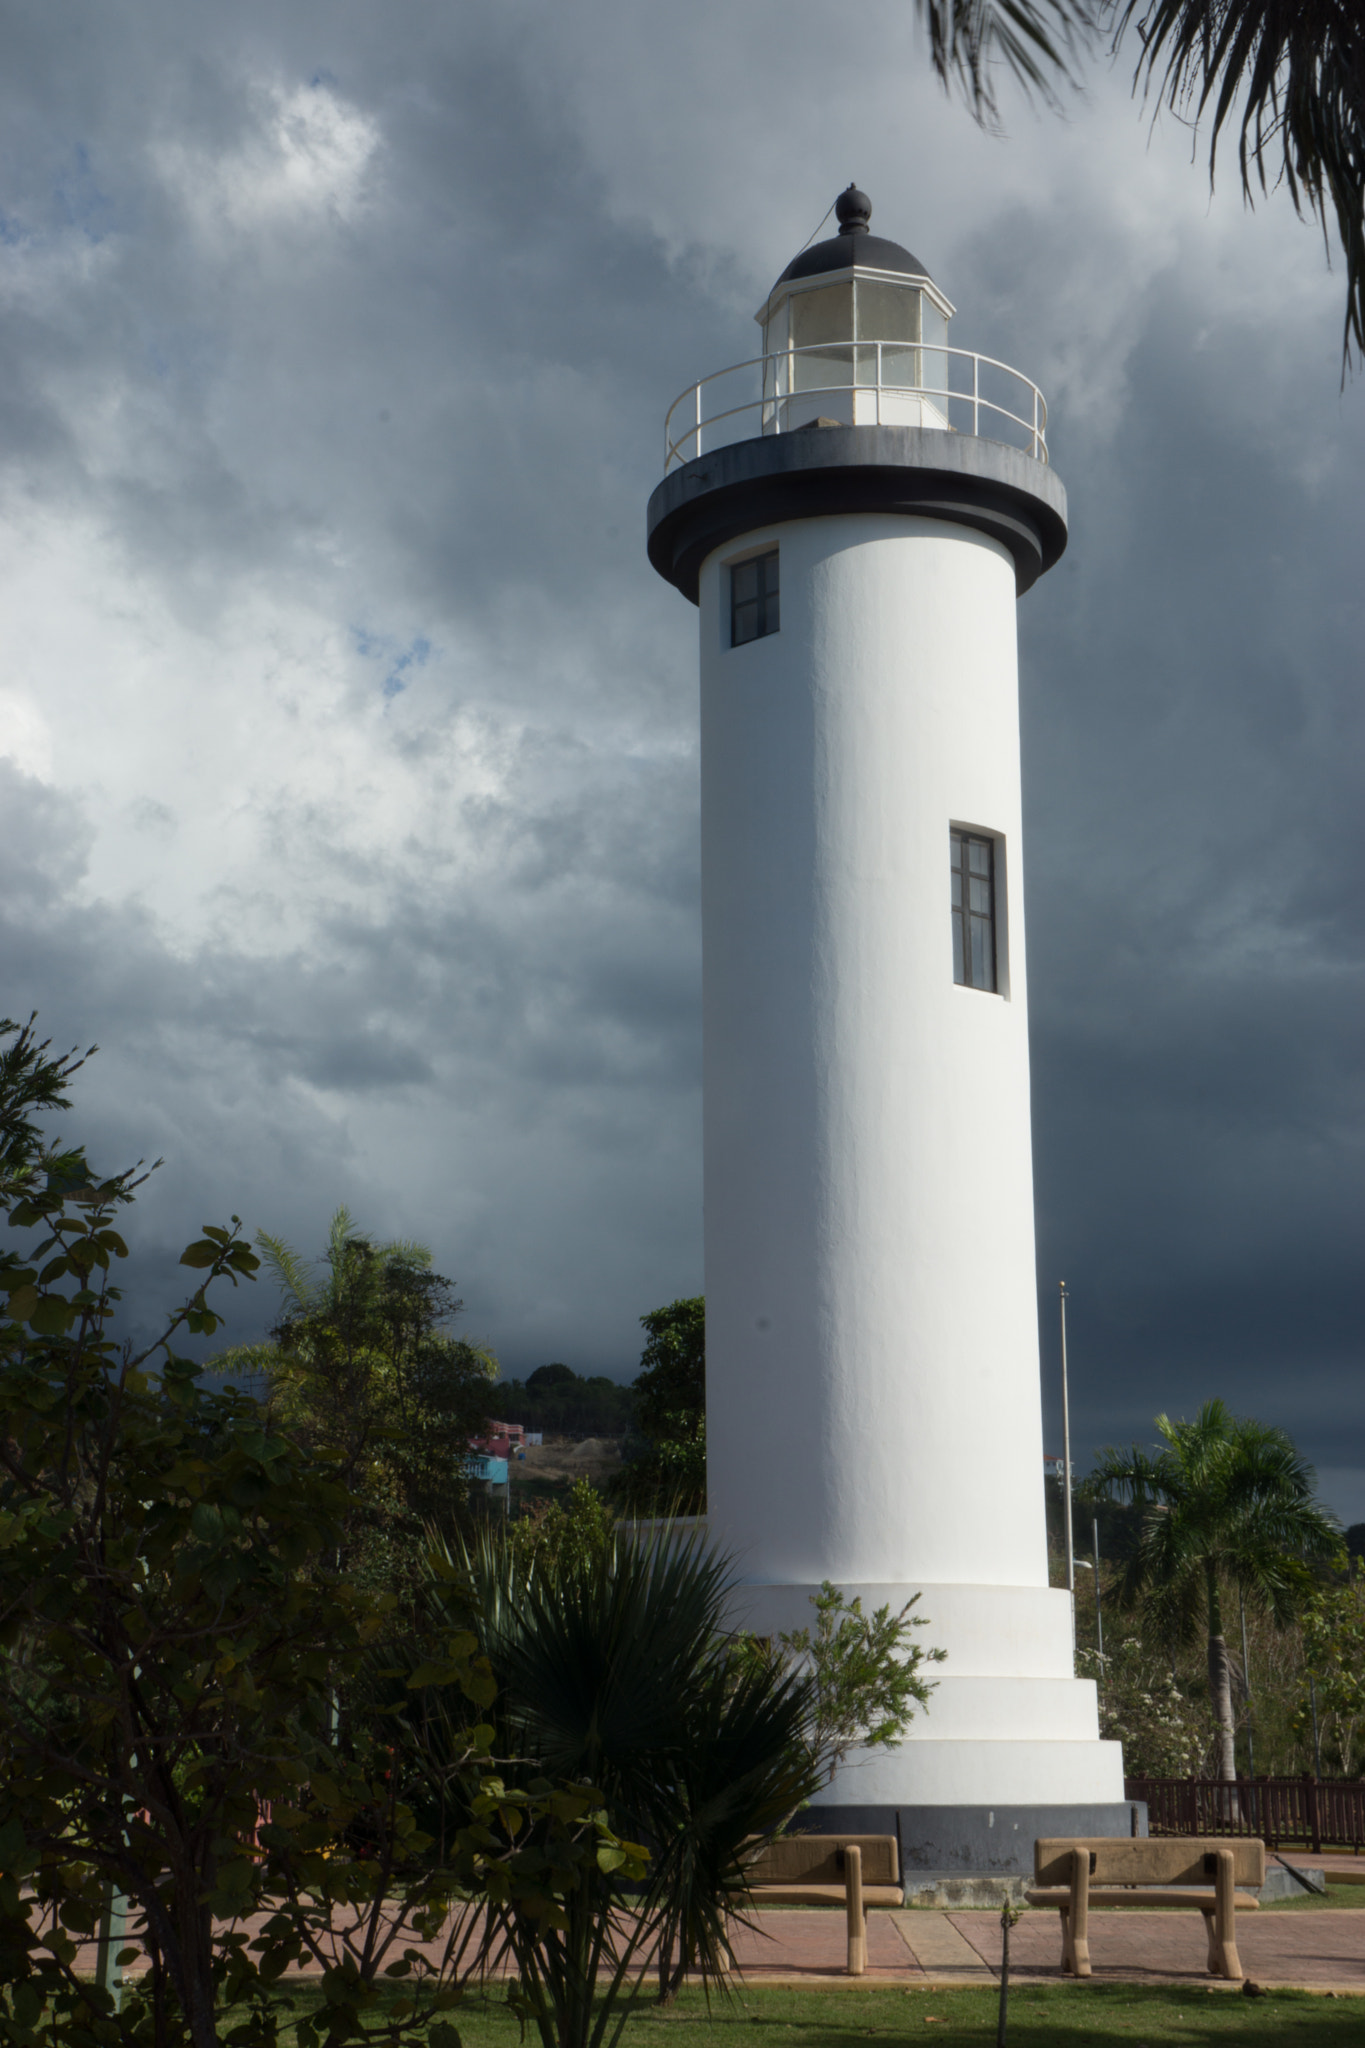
[[398, 664], [79, 196]]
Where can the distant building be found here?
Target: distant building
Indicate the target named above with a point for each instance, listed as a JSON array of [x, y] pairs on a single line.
[[498, 1445]]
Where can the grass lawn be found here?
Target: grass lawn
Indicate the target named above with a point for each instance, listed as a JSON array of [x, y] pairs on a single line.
[[1351, 1896], [1069, 2015]]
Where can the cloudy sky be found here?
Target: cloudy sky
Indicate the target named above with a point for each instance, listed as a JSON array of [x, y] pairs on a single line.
[[348, 748]]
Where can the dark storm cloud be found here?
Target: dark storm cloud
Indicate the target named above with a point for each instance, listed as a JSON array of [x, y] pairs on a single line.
[[334, 358], [1194, 738]]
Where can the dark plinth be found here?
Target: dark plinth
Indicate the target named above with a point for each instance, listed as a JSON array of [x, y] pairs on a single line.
[[972, 1841], [813, 471]]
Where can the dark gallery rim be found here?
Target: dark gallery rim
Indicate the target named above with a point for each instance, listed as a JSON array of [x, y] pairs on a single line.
[[819, 470]]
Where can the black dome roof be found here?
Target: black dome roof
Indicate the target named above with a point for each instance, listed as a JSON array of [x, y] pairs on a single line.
[[853, 244]]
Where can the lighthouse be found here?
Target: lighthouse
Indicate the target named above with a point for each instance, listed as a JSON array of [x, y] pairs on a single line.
[[855, 513]]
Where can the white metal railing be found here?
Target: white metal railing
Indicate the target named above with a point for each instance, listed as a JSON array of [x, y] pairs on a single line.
[[944, 387]]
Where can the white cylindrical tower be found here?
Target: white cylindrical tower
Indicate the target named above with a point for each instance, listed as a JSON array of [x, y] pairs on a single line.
[[855, 537]]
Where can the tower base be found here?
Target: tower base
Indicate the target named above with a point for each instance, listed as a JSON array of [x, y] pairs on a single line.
[[941, 1846], [1007, 1748]]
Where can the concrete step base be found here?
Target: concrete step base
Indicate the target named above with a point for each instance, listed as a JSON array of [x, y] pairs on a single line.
[[942, 1890], [938, 1842], [937, 1891]]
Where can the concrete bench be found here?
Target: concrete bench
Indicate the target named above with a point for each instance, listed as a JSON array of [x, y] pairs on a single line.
[[852, 1871], [1073, 1874]]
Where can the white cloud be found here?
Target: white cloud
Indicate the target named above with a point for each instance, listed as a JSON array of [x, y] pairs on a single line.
[[306, 154], [360, 819], [25, 736]]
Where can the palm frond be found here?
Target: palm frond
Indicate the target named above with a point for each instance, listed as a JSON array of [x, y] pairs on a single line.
[[245, 1362], [1035, 40], [1133, 1476], [1296, 71], [1227, 1495], [614, 1669], [291, 1271]]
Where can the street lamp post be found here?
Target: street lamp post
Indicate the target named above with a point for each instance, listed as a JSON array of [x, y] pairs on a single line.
[[1066, 1476]]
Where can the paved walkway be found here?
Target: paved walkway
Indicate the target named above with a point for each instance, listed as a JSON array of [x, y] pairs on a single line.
[[1316, 1950], [1340, 1865]]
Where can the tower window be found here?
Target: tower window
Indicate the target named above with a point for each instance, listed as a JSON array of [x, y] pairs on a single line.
[[753, 599], [973, 866]]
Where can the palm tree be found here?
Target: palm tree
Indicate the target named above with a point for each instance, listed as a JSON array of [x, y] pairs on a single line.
[[614, 1671], [1228, 1503], [1293, 69]]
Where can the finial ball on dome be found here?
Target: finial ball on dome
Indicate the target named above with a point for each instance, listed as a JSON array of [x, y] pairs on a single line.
[[854, 210]]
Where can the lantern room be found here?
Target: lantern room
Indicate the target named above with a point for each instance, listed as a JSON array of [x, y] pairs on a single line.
[[855, 333]]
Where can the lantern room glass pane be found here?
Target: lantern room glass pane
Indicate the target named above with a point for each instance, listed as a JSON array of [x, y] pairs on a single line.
[[888, 312], [818, 317], [934, 361]]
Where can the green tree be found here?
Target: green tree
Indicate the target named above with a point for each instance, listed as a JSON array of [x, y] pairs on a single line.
[[866, 1675], [556, 1399], [1334, 1653], [170, 1643], [1164, 1735], [670, 1412], [614, 1668], [360, 1369], [574, 1529], [1289, 74], [32, 1081], [1227, 1503]]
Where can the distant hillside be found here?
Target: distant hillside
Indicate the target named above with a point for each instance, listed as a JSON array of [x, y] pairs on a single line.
[[561, 1402]]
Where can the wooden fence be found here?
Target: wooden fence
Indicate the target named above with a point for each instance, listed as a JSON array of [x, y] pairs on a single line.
[[1311, 1810]]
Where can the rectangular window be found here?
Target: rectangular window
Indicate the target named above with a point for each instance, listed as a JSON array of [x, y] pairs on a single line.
[[973, 866], [753, 599]]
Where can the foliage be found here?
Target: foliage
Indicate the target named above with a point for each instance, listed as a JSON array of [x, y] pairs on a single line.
[[1120, 1524], [1267, 1686], [865, 1675], [1334, 1652], [670, 1412], [1009, 1914], [1287, 73], [567, 1532], [1294, 71], [1164, 1734], [1036, 40], [360, 1370], [613, 1666], [1227, 1502], [172, 1638], [560, 1402], [31, 1081], [670, 1387]]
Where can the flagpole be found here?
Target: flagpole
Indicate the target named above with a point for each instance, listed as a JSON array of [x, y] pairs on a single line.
[[1066, 1474]]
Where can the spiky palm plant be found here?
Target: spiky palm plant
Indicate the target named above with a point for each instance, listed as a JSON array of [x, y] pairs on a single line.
[[614, 1670], [1228, 1502], [1289, 74]]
